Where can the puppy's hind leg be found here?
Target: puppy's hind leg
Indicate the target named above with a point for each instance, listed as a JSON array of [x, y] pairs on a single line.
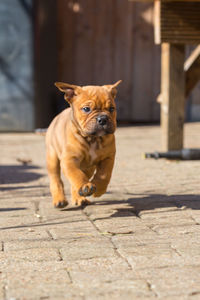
[[56, 184]]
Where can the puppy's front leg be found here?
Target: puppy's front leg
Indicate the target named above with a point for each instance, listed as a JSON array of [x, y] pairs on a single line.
[[103, 174], [77, 199], [78, 179]]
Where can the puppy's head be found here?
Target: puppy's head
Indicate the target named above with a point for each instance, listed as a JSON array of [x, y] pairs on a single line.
[[94, 109]]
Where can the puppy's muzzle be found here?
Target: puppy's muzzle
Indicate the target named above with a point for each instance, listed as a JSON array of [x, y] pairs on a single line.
[[102, 120]]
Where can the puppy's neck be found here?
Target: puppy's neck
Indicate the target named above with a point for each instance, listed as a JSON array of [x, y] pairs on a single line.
[[94, 139]]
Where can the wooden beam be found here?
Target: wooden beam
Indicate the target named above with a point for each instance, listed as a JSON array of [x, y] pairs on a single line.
[[157, 36], [165, 0], [192, 70], [173, 96], [177, 22]]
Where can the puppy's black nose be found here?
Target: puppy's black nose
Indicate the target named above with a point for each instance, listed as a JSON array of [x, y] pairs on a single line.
[[102, 120]]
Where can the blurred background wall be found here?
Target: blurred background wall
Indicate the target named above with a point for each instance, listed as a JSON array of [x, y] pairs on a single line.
[[16, 65], [80, 42]]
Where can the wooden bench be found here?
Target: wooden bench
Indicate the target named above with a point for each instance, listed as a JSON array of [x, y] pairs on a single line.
[[176, 24]]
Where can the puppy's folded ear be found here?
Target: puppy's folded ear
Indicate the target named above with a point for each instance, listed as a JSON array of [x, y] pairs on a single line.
[[112, 88], [70, 90]]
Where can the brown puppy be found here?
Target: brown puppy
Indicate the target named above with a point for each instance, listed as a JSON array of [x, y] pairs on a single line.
[[80, 141]]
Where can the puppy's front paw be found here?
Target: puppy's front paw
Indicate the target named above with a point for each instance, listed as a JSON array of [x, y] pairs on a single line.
[[60, 204], [83, 202], [87, 189]]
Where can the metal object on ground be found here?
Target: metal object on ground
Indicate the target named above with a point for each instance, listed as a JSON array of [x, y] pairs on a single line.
[[41, 131], [184, 154]]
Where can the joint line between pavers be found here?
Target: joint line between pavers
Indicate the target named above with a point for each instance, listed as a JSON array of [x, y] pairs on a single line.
[[85, 214], [37, 210], [4, 292], [69, 275], [175, 250], [136, 213], [193, 219], [119, 254], [194, 293], [111, 241], [151, 288], [153, 229], [60, 255], [36, 206], [49, 234]]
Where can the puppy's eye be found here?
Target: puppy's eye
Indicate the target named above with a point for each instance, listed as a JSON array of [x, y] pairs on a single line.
[[111, 109], [86, 109]]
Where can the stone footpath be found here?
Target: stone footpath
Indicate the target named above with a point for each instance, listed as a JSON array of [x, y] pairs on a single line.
[[141, 240]]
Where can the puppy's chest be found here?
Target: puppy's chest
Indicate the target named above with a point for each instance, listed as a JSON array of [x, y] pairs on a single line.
[[95, 152]]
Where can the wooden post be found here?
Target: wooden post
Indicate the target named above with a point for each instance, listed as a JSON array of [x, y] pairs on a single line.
[[192, 70], [173, 96]]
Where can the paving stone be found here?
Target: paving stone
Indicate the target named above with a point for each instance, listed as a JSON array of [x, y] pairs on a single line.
[[177, 217], [2, 288], [188, 249], [172, 281], [140, 240], [121, 224], [68, 241], [151, 255], [196, 216], [147, 253], [38, 280], [81, 249], [177, 231], [121, 289], [33, 254], [15, 208], [98, 270], [12, 223], [25, 233], [181, 296], [100, 211], [51, 216]]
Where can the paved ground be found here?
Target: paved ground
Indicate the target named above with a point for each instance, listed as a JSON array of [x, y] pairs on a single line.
[[141, 240]]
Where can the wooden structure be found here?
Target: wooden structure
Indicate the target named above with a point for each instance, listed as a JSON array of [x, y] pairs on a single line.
[[103, 46], [88, 42], [176, 24], [91, 42]]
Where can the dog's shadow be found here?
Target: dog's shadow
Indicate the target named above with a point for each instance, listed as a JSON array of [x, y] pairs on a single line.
[[129, 208], [149, 203], [152, 202], [14, 174]]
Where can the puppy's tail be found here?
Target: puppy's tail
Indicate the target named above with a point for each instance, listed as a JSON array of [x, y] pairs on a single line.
[[40, 131]]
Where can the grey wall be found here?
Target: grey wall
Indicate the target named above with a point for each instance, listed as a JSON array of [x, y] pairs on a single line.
[[16, 66]]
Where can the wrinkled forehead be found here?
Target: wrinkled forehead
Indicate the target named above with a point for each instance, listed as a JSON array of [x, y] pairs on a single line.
[[98, 94]]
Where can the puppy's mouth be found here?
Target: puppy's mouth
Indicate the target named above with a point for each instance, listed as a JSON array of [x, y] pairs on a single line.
[[100, 126], [102, 131]]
